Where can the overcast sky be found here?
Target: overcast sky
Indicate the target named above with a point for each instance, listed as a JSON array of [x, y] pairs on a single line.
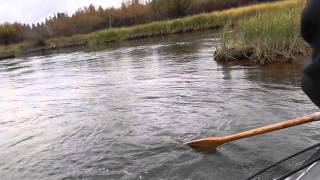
[[32, 11]]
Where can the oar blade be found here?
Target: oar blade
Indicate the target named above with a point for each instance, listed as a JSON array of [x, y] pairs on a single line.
[[206, 143]]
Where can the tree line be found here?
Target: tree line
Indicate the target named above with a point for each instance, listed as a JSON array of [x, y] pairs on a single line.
[[91, 18]]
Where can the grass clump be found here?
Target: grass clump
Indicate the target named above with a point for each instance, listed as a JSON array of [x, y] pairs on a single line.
[[267, 37], [11, 51]]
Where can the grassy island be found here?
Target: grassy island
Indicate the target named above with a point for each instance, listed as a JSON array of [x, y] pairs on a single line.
[[268, 37]]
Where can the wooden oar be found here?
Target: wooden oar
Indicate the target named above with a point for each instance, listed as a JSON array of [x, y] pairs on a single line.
[[212, 143]]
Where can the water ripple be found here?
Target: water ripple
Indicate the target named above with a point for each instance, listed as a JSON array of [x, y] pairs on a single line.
[[124, 112]]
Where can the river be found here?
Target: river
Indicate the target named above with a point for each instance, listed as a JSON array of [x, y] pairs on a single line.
[[124, 112]]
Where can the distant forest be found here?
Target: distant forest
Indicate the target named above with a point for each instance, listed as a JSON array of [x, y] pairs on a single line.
[[89, 19]]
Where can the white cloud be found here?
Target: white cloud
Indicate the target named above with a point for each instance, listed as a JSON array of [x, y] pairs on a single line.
[[32, 11]]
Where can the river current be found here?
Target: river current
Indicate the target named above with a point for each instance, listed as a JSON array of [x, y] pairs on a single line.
[[124, 112]]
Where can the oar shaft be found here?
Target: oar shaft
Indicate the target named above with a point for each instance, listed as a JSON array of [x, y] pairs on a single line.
[[274, 127]]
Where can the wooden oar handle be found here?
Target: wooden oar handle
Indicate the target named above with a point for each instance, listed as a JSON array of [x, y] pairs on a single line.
[[274, 127]]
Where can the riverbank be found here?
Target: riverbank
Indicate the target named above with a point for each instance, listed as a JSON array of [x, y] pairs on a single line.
[[268, 37], [205, 21], [21, 49]]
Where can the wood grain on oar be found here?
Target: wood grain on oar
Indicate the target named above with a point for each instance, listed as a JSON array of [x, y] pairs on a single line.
[[212, 143]]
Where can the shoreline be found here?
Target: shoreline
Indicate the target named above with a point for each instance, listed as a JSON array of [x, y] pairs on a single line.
[[206, 21]]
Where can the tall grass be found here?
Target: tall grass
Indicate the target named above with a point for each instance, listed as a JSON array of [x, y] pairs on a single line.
[[269, 36], [187, 24]]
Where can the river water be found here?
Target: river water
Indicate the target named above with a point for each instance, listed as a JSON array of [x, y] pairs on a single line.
[[124, 112]]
